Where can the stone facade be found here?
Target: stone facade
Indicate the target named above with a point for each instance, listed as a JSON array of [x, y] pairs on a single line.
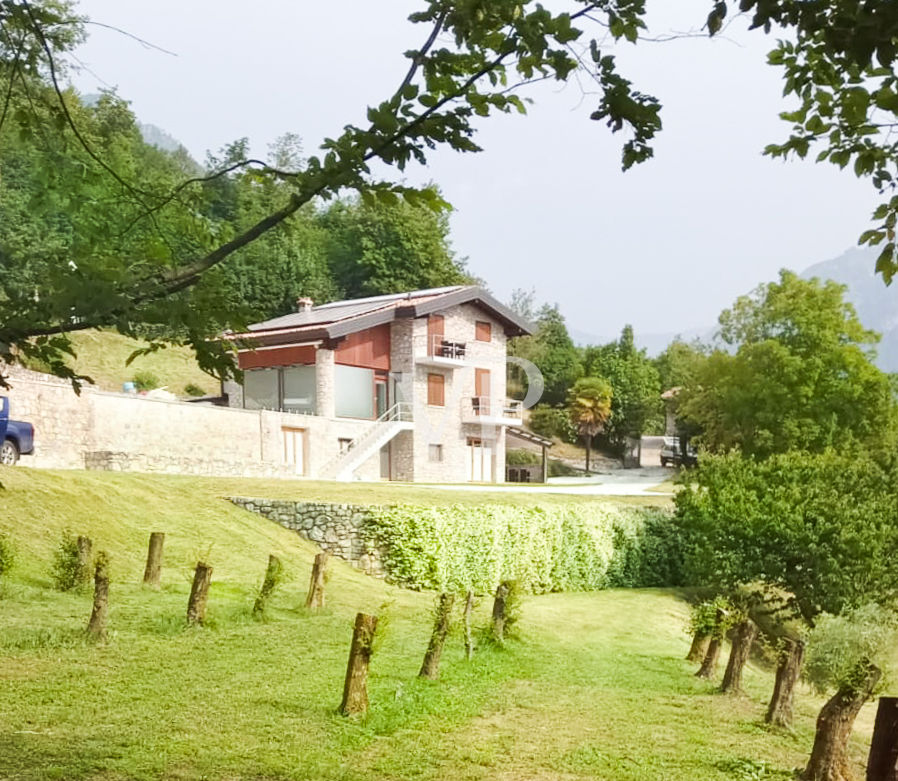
[[445, 426], [124, 432], [335, 528]]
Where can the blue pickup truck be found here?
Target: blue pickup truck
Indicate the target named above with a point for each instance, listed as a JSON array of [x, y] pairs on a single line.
[[16, 438]]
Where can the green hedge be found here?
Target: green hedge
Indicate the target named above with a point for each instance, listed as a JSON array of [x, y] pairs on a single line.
[[578, 548]]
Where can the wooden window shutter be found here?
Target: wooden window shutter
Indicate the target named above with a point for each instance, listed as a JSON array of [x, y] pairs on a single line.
[[483, 331], [436, 390]]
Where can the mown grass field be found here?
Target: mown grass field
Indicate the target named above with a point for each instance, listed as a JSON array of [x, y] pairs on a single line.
[[594, 687]]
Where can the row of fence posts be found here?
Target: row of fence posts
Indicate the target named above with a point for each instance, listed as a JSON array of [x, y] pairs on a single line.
[[882, 762], [355, 688]]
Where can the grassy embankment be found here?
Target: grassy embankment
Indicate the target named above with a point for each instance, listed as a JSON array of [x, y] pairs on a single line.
[[595, 687], [103, 356]]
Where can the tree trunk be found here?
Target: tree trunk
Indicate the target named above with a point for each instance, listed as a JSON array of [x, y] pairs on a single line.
[[743, 638], [709, 664], [315, 597], [828, 760], [96, 627], [499, 611], [431, 665], [588, 451], [779, 712], [469, 640], [85, 546], [269, 584], [699, 647], [152, 575], [355, 687], [199, 593], [883, 762]]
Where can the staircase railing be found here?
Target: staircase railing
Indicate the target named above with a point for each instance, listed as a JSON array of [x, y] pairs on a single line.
[[401, 412]]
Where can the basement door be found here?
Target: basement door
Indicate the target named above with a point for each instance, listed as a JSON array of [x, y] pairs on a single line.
[[480, 461], [295, 449]]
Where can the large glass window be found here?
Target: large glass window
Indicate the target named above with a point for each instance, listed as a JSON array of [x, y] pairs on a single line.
[[261, 389], [299, 389], [353, 392]]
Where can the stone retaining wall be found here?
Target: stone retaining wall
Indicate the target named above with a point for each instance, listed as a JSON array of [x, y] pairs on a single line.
[[335, 528]]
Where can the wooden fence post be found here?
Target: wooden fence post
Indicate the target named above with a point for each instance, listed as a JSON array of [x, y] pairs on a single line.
[[469, 640], [788, 668], [96, 627], [699, 647], [499, 611], [199, 593], [85, 546], [355, 687], [269, 584], [315, 597], [152, 574], [431, 666], [883, 762], [709, 663], [740, 648]]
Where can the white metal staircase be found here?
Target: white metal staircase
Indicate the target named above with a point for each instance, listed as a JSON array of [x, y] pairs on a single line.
[[396, 419]]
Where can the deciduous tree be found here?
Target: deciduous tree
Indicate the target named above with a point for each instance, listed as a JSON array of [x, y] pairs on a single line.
[[800, 375]]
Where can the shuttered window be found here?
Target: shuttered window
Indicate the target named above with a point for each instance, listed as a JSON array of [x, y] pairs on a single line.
[[436, 390], [483, 331]]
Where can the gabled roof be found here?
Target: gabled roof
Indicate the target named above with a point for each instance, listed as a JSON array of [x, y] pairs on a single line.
[[341, 318]]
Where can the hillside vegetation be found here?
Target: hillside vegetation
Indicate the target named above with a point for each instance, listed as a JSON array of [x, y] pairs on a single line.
[[103, 356], [594, 686]]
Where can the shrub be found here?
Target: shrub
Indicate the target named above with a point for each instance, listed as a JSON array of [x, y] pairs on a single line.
[[559, 468], [521, 457], [575, 548], [145, 381], [191, 389], [703, 617], [68, 571], [7, 555], [551, 422], [840, 647]]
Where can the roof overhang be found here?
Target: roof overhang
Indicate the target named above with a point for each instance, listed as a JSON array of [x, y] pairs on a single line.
[[513, 323], [528, 436]]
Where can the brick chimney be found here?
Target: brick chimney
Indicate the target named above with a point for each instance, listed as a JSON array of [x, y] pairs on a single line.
[[304, 304]]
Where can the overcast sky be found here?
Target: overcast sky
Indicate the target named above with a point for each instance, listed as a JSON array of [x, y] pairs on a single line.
[[664, 247]]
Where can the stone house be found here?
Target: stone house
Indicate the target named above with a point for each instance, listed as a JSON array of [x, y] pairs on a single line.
[[407, 387]]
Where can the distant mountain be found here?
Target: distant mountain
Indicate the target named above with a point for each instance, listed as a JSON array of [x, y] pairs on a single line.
[[156, 136], [876, 304]]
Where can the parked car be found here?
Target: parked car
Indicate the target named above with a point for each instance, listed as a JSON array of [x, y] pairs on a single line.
[[672, 455], [16, 437]]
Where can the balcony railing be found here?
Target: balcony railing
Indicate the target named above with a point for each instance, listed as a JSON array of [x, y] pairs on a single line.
[[442, 352], [484, 409], [441, 347]]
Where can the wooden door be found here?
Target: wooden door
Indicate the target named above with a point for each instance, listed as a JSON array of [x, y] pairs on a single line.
[[482, 391], [435, 333], [295, 449]]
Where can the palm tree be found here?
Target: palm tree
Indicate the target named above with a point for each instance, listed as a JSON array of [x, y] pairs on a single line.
[[589, 407]]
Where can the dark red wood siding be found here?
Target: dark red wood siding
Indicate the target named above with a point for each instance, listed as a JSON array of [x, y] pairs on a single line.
[[369, 349], [280, 356]]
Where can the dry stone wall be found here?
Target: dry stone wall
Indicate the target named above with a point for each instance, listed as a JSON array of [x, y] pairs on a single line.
[[335, 528]]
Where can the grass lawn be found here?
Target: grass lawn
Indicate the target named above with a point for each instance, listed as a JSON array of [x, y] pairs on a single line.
[[595, 687]]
